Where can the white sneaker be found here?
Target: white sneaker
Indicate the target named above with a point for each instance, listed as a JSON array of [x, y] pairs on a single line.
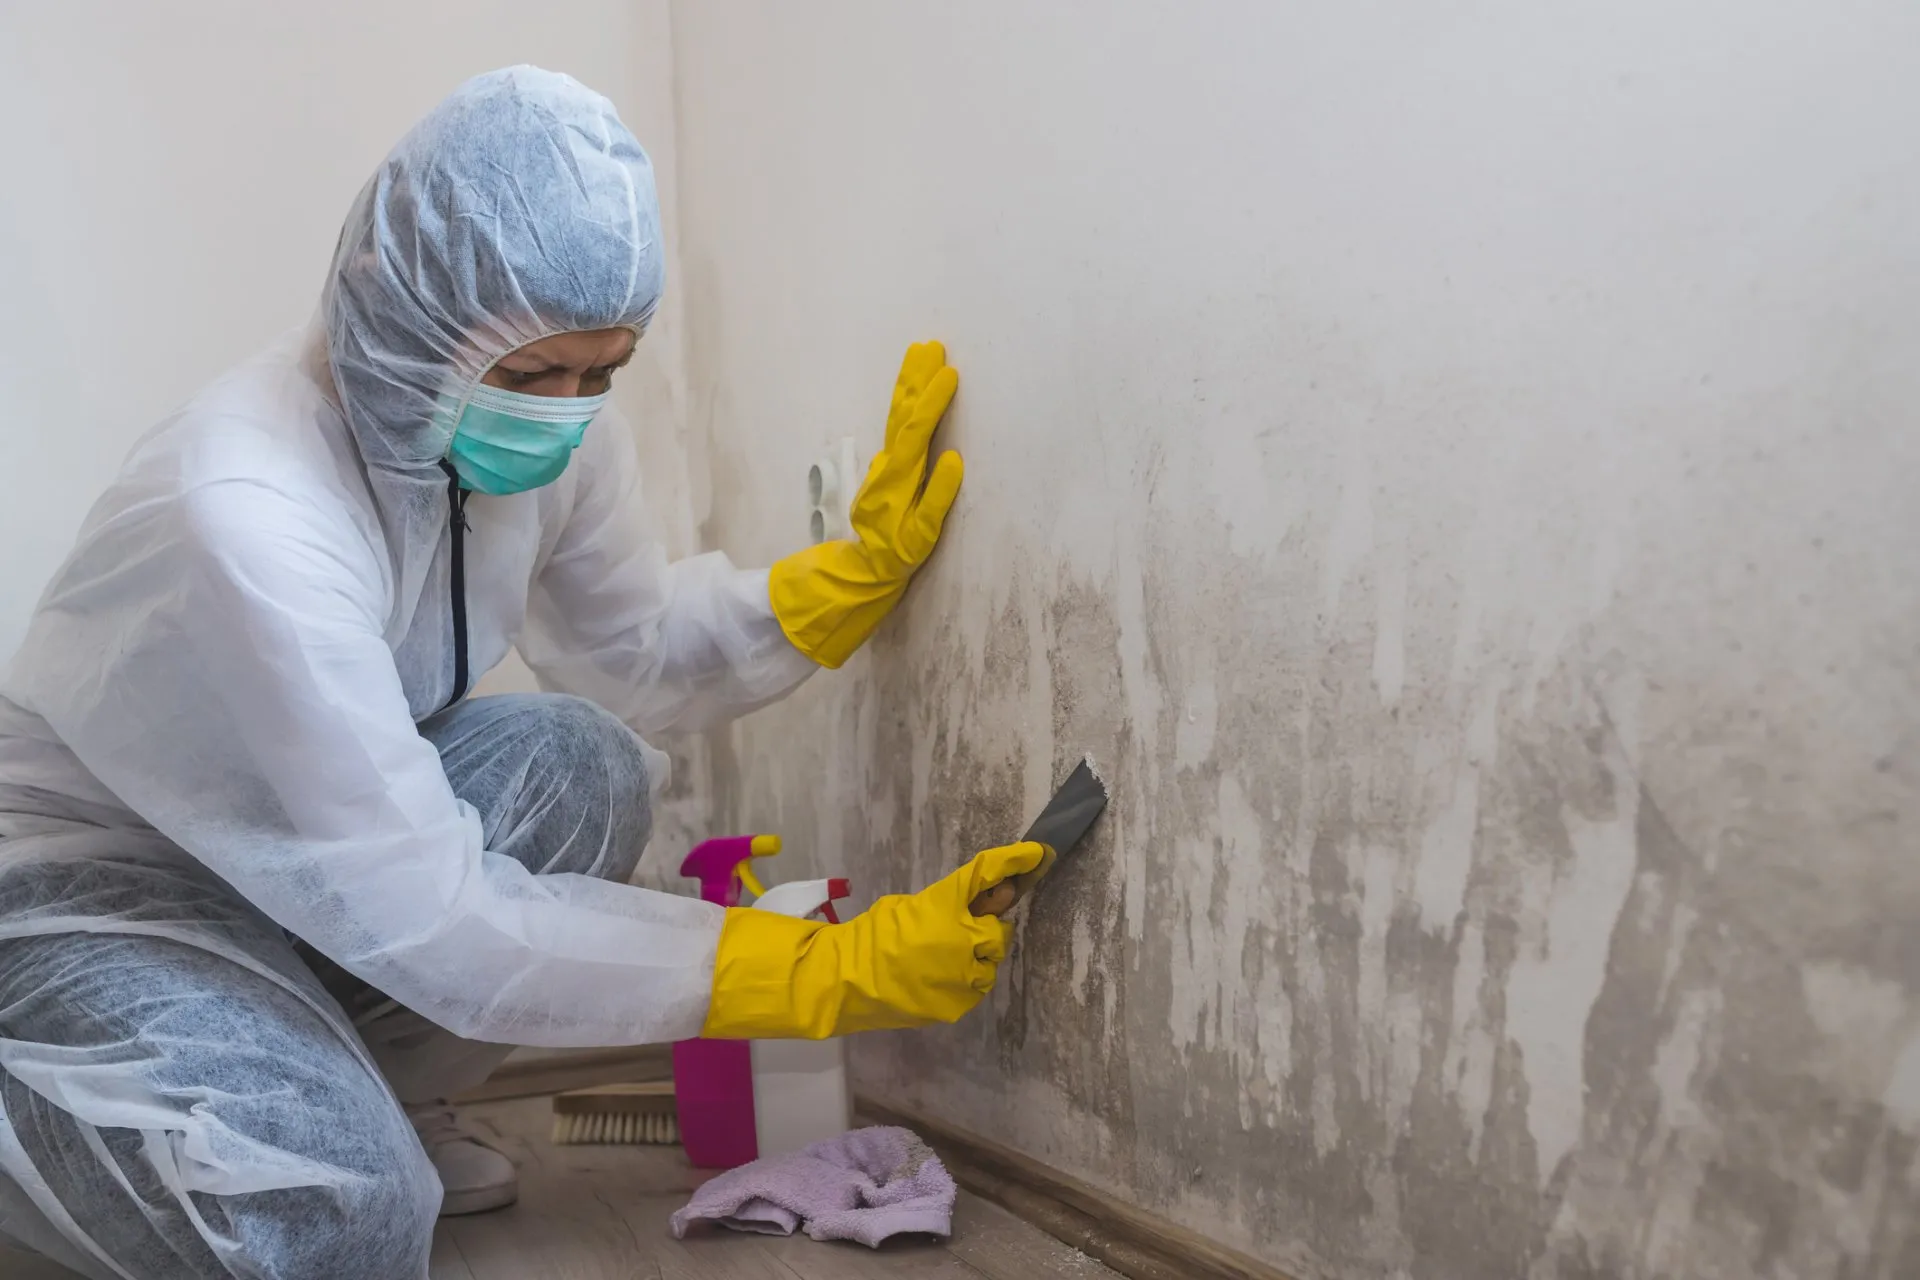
[[474, 1174]]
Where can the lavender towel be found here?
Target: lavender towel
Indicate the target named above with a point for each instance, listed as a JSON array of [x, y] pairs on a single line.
[[865, 1185]]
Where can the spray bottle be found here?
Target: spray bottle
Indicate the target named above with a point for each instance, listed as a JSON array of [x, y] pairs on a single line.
[[739, 1100]]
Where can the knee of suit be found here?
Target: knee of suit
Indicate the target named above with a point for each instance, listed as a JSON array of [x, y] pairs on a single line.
[[562, 785], [592, 739], [612, 776], [589, 735]]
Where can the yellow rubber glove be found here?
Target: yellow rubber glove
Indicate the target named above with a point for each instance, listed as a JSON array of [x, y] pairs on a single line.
[[830, 597], [909, 960]]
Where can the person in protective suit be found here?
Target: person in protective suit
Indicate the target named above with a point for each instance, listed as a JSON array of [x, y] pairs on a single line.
[[272, 885]]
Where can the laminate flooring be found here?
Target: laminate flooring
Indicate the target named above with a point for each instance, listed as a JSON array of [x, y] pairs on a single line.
[[600, 1213]]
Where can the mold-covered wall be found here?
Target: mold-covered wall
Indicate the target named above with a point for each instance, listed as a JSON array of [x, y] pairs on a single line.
[[1454, 467]]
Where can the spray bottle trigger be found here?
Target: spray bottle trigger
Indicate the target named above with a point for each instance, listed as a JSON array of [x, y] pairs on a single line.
[[758, 847], [748, 879]]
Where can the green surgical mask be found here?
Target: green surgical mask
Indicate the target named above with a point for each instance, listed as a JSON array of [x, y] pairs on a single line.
[[509, 442]]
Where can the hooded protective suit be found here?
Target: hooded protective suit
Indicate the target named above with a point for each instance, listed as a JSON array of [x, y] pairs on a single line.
[[230, 665]]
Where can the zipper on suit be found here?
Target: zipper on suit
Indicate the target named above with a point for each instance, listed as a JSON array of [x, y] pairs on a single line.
[[457, 579]]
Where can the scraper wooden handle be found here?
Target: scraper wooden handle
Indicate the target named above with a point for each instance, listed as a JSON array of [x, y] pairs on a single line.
[[996, 900]]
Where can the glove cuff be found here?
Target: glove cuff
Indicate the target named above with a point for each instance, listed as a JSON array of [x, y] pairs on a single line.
[[830, 598], [753, 978]]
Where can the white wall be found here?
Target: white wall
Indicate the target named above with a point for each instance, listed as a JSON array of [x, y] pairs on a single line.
[[1454, 466], [175, 181]]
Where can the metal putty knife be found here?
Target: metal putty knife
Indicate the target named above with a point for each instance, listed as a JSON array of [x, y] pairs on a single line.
[[1060, 826]]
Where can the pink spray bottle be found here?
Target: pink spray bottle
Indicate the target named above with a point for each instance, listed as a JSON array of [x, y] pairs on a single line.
[[739, 1100]]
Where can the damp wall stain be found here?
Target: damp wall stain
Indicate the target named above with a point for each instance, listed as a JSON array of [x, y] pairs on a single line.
[[1593, 966], [1432, 987], [1491, 603]]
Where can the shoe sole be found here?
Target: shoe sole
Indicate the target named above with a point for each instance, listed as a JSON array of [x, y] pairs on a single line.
[[458, 1204]]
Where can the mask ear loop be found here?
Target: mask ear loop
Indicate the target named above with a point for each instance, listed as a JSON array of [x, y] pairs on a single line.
[[459, 410]]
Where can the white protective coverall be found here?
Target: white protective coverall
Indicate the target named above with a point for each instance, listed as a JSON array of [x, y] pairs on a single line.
[[227, 672]]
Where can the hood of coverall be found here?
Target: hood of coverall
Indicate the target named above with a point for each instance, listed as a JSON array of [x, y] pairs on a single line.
[[520, 207]]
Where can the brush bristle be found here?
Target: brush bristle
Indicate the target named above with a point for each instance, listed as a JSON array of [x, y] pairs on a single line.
[[616, 1128]]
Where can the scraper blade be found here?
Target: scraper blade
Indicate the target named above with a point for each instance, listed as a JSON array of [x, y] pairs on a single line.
[[1061, 825]]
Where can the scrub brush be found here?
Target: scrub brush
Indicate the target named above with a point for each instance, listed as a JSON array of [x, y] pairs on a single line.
[[622, 1114]]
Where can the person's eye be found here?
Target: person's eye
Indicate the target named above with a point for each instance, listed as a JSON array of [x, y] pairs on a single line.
[[518, 379]]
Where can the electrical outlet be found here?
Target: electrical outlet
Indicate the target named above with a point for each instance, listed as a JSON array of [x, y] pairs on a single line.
[[832, 481]]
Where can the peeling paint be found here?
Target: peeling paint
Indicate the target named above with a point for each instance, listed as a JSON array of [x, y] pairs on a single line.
[[1562, 965]]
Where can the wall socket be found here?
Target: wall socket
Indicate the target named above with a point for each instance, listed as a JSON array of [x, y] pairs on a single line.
[[832, 481]]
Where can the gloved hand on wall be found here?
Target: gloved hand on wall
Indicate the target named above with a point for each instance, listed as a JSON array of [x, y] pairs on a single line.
[[907, 961], [830, 597]]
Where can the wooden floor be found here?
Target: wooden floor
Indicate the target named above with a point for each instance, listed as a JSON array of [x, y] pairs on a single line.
[[600, 1213]]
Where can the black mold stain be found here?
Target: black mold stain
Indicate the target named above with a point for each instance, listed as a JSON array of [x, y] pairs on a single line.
[[1330, 775]]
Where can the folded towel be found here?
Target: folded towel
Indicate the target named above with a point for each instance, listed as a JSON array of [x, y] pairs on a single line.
[[864, 1185]]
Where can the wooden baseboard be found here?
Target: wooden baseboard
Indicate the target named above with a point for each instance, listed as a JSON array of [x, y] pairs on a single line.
[[582, 1070], [1131, 1241]]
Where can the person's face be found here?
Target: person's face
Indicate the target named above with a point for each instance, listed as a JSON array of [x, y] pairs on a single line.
[[567, 364]]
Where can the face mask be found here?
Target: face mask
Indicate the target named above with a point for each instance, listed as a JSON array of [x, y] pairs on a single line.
[[509, 442]]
